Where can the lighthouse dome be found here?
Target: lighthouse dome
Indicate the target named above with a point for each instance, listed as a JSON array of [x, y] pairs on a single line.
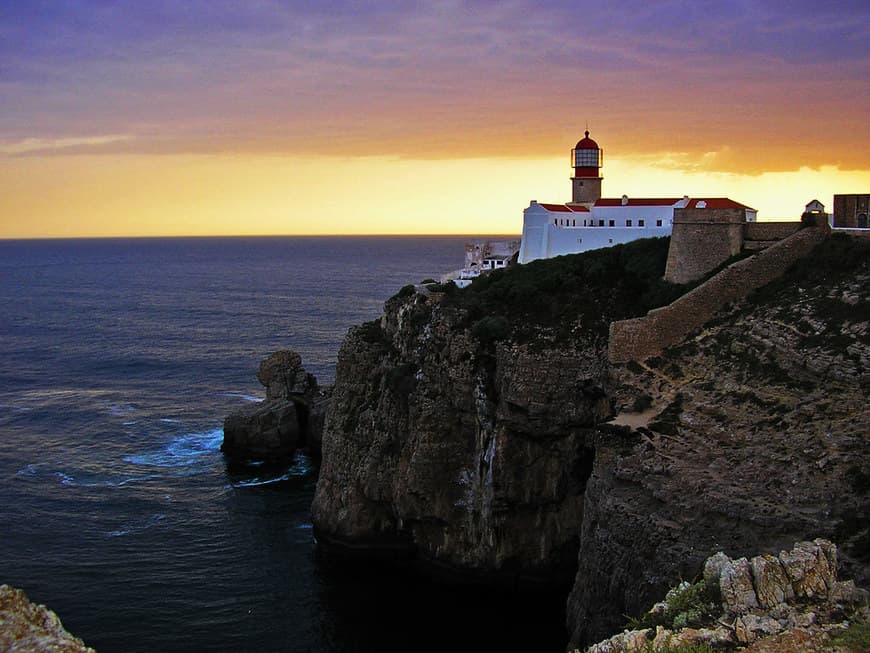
[[586, 143]]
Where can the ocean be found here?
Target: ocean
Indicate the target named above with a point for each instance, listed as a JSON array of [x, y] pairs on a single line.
[[119, 359]]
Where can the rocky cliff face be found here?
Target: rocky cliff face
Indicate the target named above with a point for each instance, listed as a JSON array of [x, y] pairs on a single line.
[[472, 457], [747, 437], [480, 440]]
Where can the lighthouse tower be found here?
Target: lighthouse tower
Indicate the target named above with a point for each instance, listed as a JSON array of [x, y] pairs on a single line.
[[587, 159]]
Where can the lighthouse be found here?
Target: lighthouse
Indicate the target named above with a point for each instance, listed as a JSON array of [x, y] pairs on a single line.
[[586, 159]]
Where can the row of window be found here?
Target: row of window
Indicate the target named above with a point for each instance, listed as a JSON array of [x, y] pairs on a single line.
[[572, 222]]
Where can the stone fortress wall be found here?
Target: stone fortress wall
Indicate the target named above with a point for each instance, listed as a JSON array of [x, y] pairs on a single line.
[[643, 337], [701, 239]]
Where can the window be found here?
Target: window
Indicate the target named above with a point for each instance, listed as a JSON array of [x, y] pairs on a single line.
[[601, 223], [658, 223], [611, 223], [610, 240], [640, 223], [628, 223], [573, 223]]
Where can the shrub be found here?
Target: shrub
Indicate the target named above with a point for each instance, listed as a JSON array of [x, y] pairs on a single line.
[[687, 604], [491, 329], [855, 638], [405, 291]]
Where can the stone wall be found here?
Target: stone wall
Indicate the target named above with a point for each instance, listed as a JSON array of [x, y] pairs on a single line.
[[701, 240], [769, 230], [641, 338]]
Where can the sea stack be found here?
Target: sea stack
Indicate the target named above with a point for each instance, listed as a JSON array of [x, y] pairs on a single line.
[[273, 429]]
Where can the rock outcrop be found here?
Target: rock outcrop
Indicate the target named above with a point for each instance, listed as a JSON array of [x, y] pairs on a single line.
[[461, 430], [752, 435], [474, 433], [291, 416], [29, 628], [788, 602]]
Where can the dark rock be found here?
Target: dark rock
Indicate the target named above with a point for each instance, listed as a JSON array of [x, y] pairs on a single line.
[[284, 377], [476, 463], [267, 430], [317, 409], [291, 416]]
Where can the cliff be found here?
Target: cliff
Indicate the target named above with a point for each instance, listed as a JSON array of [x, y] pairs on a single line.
[[753, 436], [475, 430], [461, 423]]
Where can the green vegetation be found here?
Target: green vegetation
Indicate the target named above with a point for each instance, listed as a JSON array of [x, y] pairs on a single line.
[[491, 328], [405, 291], [684, 605], [855, 638], [589, 289]]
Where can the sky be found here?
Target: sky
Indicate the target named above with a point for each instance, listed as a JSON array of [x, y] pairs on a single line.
[[219, 117]]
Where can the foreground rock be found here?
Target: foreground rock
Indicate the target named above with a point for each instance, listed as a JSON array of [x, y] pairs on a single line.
[[29, 628], [291, 416], [789, 602]]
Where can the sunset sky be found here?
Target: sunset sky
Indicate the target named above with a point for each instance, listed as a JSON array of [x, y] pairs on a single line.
[[268, 117]]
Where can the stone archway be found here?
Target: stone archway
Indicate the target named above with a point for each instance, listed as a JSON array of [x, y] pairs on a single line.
[[862, 220]]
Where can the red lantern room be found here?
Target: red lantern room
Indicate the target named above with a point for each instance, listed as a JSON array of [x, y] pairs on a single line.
[[586, 159]]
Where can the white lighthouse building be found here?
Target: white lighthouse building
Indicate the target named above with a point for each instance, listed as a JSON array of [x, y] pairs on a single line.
[[589, 221]]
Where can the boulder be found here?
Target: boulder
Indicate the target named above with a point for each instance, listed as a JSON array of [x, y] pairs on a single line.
[[268, 430], [735, 584], [772, 585]]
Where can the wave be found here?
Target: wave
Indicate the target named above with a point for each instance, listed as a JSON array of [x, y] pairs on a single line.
[[241, 395], [300, 468], [184, 451]]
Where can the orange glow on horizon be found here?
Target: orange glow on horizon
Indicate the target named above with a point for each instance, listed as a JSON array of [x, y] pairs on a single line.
[[203, 195]]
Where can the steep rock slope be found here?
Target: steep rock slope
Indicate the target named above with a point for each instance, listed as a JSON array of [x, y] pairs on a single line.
[[754, 435], [460, 422], [472, 429]]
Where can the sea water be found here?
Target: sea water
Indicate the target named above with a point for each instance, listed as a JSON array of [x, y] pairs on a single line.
[[118, 361]]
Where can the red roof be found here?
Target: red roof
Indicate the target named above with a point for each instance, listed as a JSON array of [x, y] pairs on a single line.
[[717, 203], [586, 143], [563, 208], [637, 201]]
